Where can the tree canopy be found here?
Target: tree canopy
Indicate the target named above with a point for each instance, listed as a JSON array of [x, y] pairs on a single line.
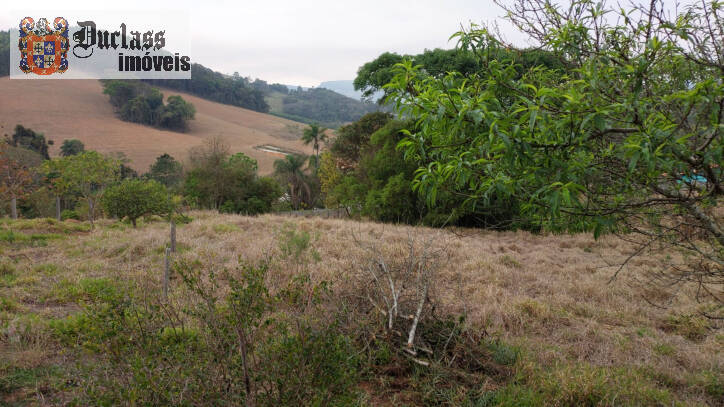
[[167, 171], [629, 134], [374, 75], [28, 139], [134, 198], [217, 87], [71, 147], [139, 103], [86, 174]]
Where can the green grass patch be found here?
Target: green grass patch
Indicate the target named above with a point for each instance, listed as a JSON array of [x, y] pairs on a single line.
[[14, 378], [87, 290], [225, 228], [692, 327], [45, 225], [581, 385], [11, 236]]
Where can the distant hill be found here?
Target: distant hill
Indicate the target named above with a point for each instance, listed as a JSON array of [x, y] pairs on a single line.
[[312, 105], [308, 105], [342, 87], [347, 88], [83, 112]]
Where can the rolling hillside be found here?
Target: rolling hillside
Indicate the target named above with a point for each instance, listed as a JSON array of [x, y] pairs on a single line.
[[67, 109]]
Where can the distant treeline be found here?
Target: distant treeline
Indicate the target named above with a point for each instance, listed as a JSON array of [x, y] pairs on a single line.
[[325, 106], [315, 105], [4, 53], [216, 87]]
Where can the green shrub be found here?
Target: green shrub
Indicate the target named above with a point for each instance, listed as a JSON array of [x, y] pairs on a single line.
[[692, 327], [69, 214]]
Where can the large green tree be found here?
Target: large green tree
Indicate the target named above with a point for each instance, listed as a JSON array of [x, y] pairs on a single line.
[[71, 147], [133, 198], [228, 183], [31, 140], [86, 174], [628, 137], [166, 170]]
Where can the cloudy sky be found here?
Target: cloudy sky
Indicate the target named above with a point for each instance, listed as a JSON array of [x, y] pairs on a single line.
[[303, 42]]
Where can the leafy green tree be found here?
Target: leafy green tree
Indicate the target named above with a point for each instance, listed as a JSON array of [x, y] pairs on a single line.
[[353, 138], [71, 147], [167, 171], [314, 135], [374, 75], [291, 172], [228, 183], [176, 113], [139, 103], [26, 138], [627, 138], [86, 174], [134, 198]]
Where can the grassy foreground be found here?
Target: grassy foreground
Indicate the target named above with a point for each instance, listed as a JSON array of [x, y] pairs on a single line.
[[514, 319]]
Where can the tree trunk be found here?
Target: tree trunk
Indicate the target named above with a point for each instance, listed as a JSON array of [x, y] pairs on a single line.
[[14, 207], [133, 222], [57, 208]]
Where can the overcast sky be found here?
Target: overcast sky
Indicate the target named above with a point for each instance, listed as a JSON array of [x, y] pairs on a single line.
[[306, 42]]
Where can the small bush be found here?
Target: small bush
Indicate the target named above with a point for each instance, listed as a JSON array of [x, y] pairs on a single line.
[[692, 327], [69, 214]]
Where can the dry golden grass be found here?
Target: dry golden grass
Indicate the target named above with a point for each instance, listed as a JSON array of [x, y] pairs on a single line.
[[548, 294]]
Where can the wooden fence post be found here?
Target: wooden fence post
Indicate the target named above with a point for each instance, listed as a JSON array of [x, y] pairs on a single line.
[[173, 236], [166, 272]]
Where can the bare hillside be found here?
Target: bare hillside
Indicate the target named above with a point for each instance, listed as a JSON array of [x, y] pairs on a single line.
[[66, 109]]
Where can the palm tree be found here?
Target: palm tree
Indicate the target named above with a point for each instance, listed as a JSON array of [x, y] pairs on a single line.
[[290, 170], [314, 134]]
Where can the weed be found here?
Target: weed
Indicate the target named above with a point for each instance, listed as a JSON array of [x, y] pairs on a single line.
[[295, 244], [510, 261], [225, 228], [503, 353], [692, 327], [87, 290], [664, 349]]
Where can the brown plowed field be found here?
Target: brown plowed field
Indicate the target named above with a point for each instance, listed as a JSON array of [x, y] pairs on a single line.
[[66, 109]]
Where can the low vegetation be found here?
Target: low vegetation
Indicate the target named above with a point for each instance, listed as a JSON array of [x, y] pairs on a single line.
[[273, 312]]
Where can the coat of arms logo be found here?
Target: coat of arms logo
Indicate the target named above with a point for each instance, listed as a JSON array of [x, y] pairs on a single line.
[[43, 48]]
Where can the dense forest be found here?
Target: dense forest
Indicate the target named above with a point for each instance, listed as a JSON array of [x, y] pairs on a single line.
[[324, 106], [4, 53], [436, 63], [214, 86]]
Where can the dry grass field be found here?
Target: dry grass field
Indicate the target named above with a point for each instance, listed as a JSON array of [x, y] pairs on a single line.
[[577, 338], [67, 109]]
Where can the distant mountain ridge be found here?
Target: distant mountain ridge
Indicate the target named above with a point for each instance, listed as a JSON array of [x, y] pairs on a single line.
[[344, 87]]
